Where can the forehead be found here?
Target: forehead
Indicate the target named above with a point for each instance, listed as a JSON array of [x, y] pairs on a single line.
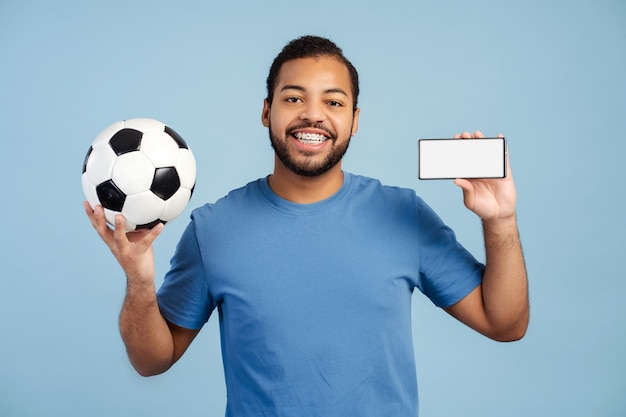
[[325, 72]]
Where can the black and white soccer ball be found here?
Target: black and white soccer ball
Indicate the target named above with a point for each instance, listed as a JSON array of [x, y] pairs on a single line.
[[142, 169]]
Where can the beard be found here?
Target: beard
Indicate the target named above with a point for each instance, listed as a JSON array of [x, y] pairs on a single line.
[[308, 167]]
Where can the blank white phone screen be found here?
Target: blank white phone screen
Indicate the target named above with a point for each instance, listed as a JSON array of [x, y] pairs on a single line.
[[461, 158]]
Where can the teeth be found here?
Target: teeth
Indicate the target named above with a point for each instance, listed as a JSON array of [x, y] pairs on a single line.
[[310, 138]]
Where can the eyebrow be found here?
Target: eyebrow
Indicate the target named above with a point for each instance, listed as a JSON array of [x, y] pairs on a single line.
[[300, 88]]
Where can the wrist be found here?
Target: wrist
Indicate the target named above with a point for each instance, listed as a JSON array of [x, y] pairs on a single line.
[[501, 224], [139, 285]]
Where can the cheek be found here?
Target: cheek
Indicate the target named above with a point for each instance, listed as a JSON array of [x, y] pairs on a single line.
[[343, 125], [276, 127], [280, 125]]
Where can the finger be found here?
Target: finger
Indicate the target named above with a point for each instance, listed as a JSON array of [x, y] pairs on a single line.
[[466, 135], [89, 211], [509, 173], [99, 223], [478, 134], [91, 214], [100, 220], [119, 233]]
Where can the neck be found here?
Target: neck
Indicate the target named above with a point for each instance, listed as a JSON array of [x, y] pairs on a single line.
[[305, 190]]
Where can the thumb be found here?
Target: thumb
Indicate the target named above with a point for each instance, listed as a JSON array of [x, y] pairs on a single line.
[[146, 237], [468, 191], [464, 184]]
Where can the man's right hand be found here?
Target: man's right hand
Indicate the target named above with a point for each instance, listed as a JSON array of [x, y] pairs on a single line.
[[153, 345], [133, 250]]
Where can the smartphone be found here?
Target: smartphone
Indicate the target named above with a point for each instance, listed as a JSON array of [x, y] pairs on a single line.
[[440, 159]]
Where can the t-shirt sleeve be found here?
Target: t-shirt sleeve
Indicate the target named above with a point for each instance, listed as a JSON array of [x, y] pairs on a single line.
[[448, 272], [184, 298]]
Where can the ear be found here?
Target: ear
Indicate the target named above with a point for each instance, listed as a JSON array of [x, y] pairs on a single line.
[[355, 121], [265, 114]]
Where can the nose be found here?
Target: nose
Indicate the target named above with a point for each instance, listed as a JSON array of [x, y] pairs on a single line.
[[313, 111]]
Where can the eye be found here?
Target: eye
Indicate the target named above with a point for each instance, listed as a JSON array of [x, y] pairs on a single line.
[[334, 103], [293, 99]]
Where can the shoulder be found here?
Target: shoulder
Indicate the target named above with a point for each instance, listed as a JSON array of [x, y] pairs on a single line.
[[247, 192], [374, 189], [237, 199]]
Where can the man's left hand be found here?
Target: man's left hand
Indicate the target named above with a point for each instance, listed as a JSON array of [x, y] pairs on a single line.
[[490, 199]]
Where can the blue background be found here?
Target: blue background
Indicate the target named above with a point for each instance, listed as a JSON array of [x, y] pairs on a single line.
[[550, 75]]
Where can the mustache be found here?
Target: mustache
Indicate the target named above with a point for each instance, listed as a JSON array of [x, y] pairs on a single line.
[[306, 125]]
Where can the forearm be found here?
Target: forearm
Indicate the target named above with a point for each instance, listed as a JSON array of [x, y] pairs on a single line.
[[145, 332], [505, 285]]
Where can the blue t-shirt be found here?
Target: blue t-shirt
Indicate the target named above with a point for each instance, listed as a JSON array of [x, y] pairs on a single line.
[[314, 300]]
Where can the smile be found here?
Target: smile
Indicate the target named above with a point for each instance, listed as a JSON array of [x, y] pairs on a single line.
[[310, 138]]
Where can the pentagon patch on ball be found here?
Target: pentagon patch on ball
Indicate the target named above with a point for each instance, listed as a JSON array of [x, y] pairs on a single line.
[[142, 169]]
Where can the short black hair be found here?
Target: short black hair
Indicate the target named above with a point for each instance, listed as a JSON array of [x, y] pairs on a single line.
[[308, 47]]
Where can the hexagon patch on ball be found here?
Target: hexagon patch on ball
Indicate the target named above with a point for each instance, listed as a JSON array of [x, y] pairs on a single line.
[[139, 168]]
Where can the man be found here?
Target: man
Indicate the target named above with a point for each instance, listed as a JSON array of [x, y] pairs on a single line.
[[312, 268]]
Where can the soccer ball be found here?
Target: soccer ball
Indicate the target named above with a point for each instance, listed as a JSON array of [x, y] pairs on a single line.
[[142, 169]]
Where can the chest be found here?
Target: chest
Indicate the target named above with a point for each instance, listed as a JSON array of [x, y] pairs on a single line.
[[315, 267]]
